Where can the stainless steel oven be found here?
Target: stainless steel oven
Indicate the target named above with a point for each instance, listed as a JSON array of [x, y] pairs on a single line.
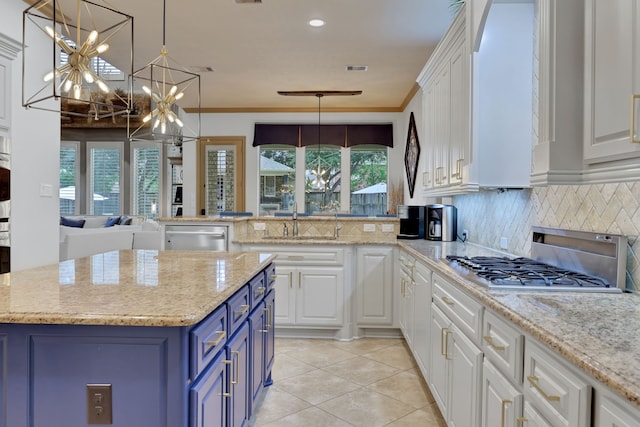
[[5, 205]]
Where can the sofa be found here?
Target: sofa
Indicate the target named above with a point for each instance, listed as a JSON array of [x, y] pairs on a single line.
[[82, 236]]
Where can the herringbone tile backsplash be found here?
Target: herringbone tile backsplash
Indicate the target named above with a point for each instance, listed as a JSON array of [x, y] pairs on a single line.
[[612, 208]]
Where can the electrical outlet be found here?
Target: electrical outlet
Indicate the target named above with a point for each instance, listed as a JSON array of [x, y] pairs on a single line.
[[387, 228], [465, 234], [259, 226], [504, 243], [99, 404], [369, 228]]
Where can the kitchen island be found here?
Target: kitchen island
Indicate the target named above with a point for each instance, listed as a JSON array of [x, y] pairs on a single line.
[[166, 330]]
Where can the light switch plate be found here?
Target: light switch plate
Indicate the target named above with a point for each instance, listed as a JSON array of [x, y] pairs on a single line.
[[259, 226], [369, 227], [387, 228]]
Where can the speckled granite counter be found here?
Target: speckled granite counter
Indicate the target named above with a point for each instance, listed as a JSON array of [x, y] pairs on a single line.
[[599, 333], [129, 288]]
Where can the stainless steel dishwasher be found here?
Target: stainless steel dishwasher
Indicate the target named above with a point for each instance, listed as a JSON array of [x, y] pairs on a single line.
[[196, 237]]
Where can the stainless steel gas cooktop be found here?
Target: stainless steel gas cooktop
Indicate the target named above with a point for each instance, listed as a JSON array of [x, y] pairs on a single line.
[[562, 260]]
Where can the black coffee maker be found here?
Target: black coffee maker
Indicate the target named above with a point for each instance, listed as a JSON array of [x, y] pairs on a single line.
[[411, 222]]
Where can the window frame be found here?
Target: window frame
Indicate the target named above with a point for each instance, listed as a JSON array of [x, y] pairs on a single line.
[[78, 179], [132, 173], [91, 145]]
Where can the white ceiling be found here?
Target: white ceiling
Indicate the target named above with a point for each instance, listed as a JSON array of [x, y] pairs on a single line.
[[259, 49]]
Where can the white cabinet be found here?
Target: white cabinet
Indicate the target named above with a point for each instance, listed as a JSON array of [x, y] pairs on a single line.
[[560, 396], [612, 61], [501, 401], [407, 283], [609, 411], [422, 317], [311, 296], [374, 286]]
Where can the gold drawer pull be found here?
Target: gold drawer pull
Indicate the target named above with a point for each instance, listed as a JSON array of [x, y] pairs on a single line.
[[221, 335], [489, 340], [533, 380], [446, 344], [505, 402], [230, 394], [520, 421], [260, 290], [295, 257], [244, 308], [447, 300], [272, 278], [235, 366]]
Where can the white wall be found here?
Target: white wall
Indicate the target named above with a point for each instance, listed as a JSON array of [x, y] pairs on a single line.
[[242, 124], [35, 137]]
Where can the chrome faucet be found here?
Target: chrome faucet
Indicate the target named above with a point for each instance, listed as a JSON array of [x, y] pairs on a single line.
[[336, 227], [294, 217]]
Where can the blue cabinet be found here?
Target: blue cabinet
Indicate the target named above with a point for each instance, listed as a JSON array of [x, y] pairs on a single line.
[[238, 365], [208, 396], [269, 345], [257, 329]]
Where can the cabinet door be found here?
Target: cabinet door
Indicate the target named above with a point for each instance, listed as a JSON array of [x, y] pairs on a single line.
[[257, 338], [238, 354], [284, 312], [610, 414], [532, 418], [269, 346], [320, 299], [207, 397], [442, 108], [374, 286], [612, 61], [438, 378], [422, 316], [501, 402], [459, 107], [465, 375]]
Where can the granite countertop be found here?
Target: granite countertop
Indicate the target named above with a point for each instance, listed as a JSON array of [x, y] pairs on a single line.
[[128, 288], [316, 240], [597, 332]]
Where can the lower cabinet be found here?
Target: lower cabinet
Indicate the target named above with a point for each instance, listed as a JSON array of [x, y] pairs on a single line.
[[374, 286], [610, 412], [407, 284], [209, 396], [456, 372], [501, 402]]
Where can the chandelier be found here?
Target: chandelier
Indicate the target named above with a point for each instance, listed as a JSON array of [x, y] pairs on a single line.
[[80, 32], [166, 82]]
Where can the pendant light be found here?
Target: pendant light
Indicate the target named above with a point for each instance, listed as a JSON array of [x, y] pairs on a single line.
[[80, 32], [318, 180], [165, 82]]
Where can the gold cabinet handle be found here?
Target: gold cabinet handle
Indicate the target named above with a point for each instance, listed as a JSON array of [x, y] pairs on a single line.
[[295, 257], [635, 99], [533, 380], [520, 421], [442, 350], [243, 309], [505, 402], [447, 300], [260, 290], [230, 393], [235, 366], [291, 279], [272, 278], [221, 335], [492, 344], [300, 279], [446, 344]]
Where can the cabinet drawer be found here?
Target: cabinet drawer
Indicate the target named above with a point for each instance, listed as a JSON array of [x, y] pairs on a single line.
[[206, 339], [464, 311], [557, 392], [238, 308], [300, 257], [257, 289], [503, 345], [270, 277]]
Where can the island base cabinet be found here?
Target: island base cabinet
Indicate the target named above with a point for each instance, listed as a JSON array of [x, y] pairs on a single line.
[[270, 342], [208, 396], [238, 373]]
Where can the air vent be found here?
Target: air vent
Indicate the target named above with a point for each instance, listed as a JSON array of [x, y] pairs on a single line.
[[248, 1], [356, 67], [201, 69]]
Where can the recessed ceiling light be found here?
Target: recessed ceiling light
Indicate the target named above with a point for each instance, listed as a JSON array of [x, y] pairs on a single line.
[[316, 23]]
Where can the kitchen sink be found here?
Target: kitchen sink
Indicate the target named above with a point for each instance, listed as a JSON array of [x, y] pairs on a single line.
[[293, 238]]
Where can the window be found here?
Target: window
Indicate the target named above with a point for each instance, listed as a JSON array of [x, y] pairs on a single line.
[[368, 195], [277, 179], [221, 175], [145, 179], [104, 167], [69, 200]]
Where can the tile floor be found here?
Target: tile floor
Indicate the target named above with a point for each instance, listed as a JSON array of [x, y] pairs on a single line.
[[325, 383]]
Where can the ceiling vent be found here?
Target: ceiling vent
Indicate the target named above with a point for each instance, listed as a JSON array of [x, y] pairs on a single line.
[[248, 1], [356, 67], [202, 69]]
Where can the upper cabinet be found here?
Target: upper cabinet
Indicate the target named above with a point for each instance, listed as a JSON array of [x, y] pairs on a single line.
[[477, 105], [611, 78]]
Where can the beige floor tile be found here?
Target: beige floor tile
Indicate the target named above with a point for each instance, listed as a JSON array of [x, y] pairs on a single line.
[[320, 355], [310, 417], [366, 345], [366, 408], [283, 345], [420, 417], [277, 404], [317, 386], [361, 370], [396, 356], [405, 387], [286, 366]]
